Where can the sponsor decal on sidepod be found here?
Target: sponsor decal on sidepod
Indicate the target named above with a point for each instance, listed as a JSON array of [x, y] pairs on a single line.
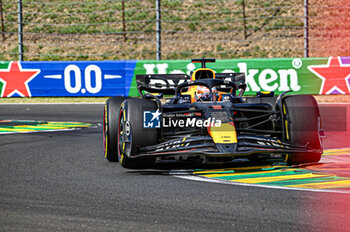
[[151, 119]]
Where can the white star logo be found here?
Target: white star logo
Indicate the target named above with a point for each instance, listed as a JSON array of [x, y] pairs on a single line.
[[156, 115]]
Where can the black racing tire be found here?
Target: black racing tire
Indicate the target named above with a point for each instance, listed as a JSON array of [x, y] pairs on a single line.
[[132, 135], [302, 128], [110, 127]]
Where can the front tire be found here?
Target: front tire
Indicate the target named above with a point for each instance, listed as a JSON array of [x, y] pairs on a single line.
[[302, 128], [110, 127], [132, 135]]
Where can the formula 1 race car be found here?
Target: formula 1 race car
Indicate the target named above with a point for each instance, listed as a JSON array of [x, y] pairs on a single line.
[[207, 119]]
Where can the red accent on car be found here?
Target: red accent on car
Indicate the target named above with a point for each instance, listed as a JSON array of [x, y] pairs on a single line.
[[216, 107]]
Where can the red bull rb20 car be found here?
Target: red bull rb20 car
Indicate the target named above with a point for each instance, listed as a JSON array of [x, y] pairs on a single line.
[[207, 119]]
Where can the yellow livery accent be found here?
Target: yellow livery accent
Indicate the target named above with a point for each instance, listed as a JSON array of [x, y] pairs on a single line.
[[287, 134], [106, 146], [106, 130], [193, 77], [226, 133], [284, 110]]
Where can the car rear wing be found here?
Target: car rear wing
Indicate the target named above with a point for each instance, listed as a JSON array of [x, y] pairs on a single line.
[[167, 83]]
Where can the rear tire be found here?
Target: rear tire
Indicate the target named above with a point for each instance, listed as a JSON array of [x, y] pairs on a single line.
[[110, 127], [302, 128], [133, 136]]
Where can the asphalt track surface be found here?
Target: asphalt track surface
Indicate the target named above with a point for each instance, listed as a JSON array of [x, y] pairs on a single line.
[[60, 181]]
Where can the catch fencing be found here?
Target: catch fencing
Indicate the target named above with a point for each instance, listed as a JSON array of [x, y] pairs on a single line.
[[47, 30]]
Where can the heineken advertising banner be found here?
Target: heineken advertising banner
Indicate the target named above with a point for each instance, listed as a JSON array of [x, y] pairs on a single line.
[[111, 78]]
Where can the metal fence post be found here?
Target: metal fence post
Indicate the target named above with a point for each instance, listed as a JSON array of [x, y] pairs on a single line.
[[2, 22], [244, 20], [306, 28], [158, 30], [20, 31], [123, 16]]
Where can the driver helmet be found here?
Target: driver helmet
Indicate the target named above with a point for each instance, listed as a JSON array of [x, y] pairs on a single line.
[[202, 93]]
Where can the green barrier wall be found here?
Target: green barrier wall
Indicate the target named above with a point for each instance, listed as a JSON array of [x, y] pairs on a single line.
[[330, 75]]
